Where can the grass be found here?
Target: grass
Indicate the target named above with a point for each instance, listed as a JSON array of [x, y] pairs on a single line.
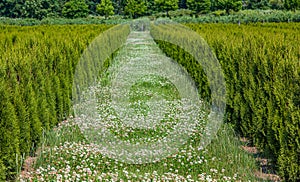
[[67, 154]]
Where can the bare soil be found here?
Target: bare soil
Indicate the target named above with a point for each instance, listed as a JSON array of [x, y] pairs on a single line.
[[266, 168], [28, 167]]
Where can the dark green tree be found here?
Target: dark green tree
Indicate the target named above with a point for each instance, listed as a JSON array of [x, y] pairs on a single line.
[[291, 4], [59, 101], [9, 131], [11, 8], [23, 121], [50, 95], [105, 8], [66, 94], [276, 4], [151, 9], [2, 170], [257, 4], [135, 8], [75, 9], [199, 6], [44, 111], [229, 5], [92, 4], [32, 110], [33, 9], [182, 4], [53, 8], [166, 5], [119, 6]]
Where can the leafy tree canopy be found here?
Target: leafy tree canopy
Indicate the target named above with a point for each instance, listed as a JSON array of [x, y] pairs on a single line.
[[229, 5], [199, 6], [75, 9], [166, 5], [105, 8], [135, 8], [291, 4]]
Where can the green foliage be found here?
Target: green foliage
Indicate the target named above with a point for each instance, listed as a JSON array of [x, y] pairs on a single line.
[[219, 13], [291, 4], [276, 4], [2, 171], [105, 8], [41, 9], [229, 5], [258, 4], [9, 131], [192, 66], [93, 6], [181, 12], [35, 122], [246, 16], [92, 63], [11, 8], [182, 4], [262, 67], [166, 5], [199, 6], [62, 21], [174, 14], [23, 121], [260, 63], [33, 9], [135, 8], [36, 72], [75, 9]]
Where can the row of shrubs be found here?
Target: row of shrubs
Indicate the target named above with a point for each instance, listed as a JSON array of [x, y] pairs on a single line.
[[181, 16], [60, 21], [246, 16], [37, 66], [261, 67]]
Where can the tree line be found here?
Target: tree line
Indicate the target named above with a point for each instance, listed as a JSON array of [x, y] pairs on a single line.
[[40, 9]]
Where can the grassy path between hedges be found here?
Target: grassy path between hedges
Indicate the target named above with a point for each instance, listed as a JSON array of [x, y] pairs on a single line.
[[65, 153]]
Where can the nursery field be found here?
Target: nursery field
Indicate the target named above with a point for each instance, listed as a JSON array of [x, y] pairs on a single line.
[[261, 68], [46, 136], [68, 153], [36, 73], [261, 64]]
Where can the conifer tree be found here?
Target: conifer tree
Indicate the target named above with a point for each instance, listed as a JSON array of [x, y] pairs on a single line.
[[66, 96], [58, 97], [9, 130], [2, 170], [23, 121], [50, 96], [32, 109], [44, 114]]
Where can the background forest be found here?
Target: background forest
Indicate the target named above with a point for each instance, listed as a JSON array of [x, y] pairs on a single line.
[[41, 9]]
